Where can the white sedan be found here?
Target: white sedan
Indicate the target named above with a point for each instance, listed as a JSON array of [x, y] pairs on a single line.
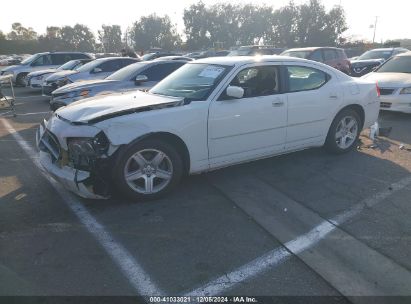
[[394, 80], [209, 114]]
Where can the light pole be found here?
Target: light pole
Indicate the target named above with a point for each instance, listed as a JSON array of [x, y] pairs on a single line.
[[375, 29]]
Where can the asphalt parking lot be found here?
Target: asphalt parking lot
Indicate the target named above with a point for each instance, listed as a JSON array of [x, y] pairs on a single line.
[[304, 224]]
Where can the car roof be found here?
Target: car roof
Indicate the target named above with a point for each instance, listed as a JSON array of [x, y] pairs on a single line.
[[112, 58], [241, 60], [388, 49], [312, 49]]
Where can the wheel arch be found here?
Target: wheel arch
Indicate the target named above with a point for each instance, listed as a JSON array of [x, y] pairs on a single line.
[[358, 109], [172, 139]]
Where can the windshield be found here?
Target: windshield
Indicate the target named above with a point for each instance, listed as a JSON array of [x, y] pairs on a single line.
[[401, 64], [380, 54], [193, 81], [89, 66], [297, 54], [127, 73], [30, 59], [68, 65]]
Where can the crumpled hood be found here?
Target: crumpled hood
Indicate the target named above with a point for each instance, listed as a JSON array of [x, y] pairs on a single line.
[[85, 84], [61, 74], [390, 80], [92, 110], [42, 72]]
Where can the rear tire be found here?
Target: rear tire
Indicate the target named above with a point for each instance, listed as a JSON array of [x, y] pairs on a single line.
[[344, 132], [20, 79], [147, 170]]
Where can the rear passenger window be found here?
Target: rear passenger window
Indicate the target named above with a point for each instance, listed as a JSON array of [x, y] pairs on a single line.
[[111, 66], [59, 59], [304, 78], [330, 55], [317, 56]]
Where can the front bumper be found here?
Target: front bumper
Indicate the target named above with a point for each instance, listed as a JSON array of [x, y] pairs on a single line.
[[74, 180], [396, 103]]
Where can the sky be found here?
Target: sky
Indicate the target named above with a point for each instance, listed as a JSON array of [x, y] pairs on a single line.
[[393, 16]]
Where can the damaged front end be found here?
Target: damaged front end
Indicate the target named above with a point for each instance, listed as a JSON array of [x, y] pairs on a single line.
[[81, 164]]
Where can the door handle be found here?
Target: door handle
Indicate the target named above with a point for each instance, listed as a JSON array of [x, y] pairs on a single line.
[[278, 103], [334, 96]]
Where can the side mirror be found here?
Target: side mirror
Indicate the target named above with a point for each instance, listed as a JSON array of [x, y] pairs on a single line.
[[96, 70], [235, 92], [141, 78]]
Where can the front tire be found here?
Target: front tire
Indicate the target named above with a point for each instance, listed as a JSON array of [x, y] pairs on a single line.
[[148, 169], [344, 132]]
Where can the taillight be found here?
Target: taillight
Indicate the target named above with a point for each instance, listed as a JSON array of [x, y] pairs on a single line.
[[378, 90]]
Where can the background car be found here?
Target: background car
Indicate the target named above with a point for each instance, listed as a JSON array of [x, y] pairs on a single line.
[[155, 55], [41, 61], [333, 57], [251, 50], [372, 59], [138, 76], [36, 79], [394, 79], [175, 58], [96, 69]]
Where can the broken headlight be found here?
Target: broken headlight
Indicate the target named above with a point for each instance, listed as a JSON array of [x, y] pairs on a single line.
[[83, 151]]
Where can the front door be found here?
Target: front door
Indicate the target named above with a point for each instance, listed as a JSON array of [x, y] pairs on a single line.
[[249, 127]]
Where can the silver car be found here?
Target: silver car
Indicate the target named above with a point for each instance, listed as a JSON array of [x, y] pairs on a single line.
[[35, 79], [40, 61], [96, 69], [141, 76]]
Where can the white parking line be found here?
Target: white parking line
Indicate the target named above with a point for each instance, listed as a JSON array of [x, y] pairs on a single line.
[[295, 246], [129, 266], [32, 113]]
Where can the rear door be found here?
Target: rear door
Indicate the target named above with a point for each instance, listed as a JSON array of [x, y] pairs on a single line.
[[312, 97]]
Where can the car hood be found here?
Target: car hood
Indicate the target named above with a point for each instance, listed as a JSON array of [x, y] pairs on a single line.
[[362, 63], [393, 80], [61, 74], [85, 84], [96, 109], [42, 72], [11, 68]]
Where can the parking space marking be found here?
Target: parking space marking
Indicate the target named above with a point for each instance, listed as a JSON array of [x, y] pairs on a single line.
[[299, 246], [129, 266], [32, 113]]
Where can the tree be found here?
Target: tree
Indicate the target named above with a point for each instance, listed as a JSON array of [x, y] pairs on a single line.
[[284, 23], [316, 27], [154, 31], [19, 32], [197, 26], [78, 38], [110, 38], [2, 36]]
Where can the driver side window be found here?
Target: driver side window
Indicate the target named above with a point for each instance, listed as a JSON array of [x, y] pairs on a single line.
[[257, 81]]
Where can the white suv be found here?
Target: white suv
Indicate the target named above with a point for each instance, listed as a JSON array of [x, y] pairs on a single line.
[[40, 61]]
